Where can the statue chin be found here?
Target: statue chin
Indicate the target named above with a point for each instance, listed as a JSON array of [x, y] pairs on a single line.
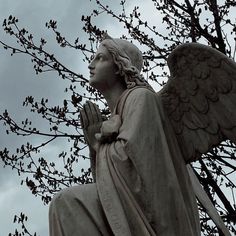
[[92, 82], [97, 83]]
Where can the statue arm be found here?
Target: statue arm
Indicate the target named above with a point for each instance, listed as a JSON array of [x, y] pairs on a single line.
[[132, 129]]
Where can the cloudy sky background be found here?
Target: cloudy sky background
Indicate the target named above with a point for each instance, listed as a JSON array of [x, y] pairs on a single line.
[[18, 80]]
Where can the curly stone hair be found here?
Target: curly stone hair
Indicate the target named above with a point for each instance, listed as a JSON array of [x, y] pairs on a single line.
[[128, 59]]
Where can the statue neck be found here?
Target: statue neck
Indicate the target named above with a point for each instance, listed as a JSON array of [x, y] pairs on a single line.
[[113, 94]]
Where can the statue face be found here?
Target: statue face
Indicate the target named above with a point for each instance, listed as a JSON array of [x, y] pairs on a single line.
[[102, 70]]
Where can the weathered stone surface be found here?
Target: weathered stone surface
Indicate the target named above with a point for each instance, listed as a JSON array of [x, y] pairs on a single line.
[[139, 155]]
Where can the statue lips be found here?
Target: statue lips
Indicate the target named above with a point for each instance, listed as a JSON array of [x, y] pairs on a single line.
[[91, 74]]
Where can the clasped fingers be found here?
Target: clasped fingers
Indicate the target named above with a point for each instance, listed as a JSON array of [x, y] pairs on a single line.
[[90, 114]]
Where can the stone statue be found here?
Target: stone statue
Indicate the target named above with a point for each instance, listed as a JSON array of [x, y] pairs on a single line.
[[143, 186]]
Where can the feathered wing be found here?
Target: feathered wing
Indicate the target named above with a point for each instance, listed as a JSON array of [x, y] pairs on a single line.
[[200, 98]]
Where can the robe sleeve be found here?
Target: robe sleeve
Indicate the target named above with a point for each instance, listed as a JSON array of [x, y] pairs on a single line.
[[132, 130], [139, 115], [133, 152], [120, 171], [141, 173]]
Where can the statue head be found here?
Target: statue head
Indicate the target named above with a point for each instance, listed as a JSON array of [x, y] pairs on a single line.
[[128, 59]]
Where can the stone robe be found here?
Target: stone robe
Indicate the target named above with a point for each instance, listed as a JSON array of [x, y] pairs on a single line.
[[142, 184]]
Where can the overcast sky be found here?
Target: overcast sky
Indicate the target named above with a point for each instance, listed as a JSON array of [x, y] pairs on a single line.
[[17, 80]]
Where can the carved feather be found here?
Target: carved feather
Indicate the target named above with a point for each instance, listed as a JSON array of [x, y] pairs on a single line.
[[200, 98]]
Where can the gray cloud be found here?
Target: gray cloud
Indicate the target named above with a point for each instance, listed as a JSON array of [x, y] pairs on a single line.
[[18, 80]]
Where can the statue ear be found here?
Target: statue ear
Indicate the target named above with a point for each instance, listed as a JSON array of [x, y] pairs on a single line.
[[117, 70]]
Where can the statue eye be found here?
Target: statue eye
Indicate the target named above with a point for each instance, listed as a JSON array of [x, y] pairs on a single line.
[[92, 58], [100, 57]]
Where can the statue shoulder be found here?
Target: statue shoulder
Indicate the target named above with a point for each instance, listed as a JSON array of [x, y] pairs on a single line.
[[137, 96], [141, 92]]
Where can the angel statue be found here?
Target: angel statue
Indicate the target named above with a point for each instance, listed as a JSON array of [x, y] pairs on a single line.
[[140, 156]]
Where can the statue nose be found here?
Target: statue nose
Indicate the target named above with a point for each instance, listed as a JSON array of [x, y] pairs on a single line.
[[91, 65]]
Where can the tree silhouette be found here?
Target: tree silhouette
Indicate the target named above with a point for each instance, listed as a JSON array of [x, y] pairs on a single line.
[[205, 21]]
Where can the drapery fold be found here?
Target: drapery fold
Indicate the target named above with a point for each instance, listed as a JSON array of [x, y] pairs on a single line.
[[142, 185], [142, 180]]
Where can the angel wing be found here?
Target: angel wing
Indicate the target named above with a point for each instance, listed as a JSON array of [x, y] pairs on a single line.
[[200, 98]]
